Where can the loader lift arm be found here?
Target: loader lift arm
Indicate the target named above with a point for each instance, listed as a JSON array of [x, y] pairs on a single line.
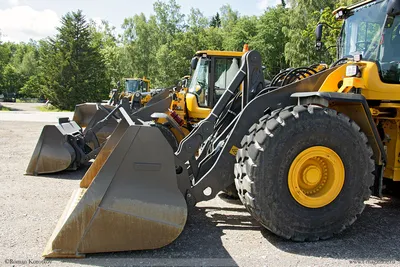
[[250, 73]]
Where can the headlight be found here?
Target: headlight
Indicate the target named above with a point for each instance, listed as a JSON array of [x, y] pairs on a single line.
[[352, 70], [339, 14]]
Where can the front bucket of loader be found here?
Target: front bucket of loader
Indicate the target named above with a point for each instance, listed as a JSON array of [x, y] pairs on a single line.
[[53, 152], [106, 130], [128, 199], [85, 112]]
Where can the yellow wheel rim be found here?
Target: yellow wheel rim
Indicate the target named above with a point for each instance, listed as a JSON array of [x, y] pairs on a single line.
[[316, 177]]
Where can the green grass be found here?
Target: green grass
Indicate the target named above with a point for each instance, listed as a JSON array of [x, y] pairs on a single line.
[[27, 100], [50, 109], [2, 108]]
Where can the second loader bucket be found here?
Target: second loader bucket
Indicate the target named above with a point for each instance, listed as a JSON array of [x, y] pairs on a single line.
[[84, 113], [128, 199], [53, 152]]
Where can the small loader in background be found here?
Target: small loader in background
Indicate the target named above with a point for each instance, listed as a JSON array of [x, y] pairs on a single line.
[[138, 88], [303, 156], [137, 91]]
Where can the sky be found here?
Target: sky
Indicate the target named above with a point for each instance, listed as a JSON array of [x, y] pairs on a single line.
[[21, 20]]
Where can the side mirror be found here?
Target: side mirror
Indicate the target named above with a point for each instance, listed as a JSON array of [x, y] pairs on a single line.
[[193, 63], [318, 36], [318, 32], [393, 8]]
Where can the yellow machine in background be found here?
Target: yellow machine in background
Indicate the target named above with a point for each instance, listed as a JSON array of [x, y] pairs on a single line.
[[212, 72], [134, 87]]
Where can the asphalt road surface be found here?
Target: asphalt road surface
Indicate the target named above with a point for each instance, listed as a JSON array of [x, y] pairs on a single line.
[[28, 112], [218, 232]]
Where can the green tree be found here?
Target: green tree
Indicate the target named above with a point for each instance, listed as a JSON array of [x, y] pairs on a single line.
[[215, 21], [34, 86], [229, 17], [196, 21], [85, 59], [74, 69], [4, 60], [241, 33], [105, 38], [270, 40], [169, 19], [141, 43], [235, 30], [303, 17], [12, 79]]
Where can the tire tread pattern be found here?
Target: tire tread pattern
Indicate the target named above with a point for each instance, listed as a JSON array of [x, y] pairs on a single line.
[[252, 146]]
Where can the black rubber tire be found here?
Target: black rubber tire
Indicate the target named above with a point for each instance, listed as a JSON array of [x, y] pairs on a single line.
[[264, 160], [168, 134]]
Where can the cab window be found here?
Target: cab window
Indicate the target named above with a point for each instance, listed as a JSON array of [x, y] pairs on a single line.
[[389, 62], [199, 83], [225, 71]]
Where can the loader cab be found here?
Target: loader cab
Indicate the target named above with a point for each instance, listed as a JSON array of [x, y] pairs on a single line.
[[213, 72], [370, 31], [361, 30], [136, 85]]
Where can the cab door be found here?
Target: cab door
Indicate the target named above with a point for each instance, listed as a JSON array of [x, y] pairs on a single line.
[[223, 70]]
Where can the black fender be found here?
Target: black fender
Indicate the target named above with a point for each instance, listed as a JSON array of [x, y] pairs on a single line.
[[351, 105]]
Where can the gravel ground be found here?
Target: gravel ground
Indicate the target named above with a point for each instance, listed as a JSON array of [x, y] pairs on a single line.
[[218, 232]]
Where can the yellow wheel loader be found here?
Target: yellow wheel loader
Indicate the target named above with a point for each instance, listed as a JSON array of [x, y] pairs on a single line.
[[137, 90], [304, 156]]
